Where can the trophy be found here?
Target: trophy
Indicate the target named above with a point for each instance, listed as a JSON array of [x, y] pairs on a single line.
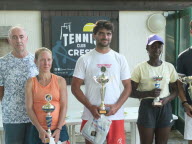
[[48, 108], [187, 80], [102, 79], [157, 79]]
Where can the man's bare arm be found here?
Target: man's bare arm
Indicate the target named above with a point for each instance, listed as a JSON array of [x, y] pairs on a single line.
[[78, 93], [124, 96], [187, 107]]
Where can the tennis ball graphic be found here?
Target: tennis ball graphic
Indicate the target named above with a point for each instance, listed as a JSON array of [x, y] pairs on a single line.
[[88, 27]]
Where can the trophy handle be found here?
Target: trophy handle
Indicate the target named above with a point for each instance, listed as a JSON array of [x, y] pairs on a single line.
[[156, 101], [49, 121], [102, 90]]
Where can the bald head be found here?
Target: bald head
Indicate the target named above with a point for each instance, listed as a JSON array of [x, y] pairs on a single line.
[[18, 40], [15, 28]]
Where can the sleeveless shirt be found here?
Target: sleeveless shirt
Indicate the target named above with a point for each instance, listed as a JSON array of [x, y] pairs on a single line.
[[39, 92]]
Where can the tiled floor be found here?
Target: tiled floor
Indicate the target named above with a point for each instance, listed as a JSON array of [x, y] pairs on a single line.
[[175, 138]]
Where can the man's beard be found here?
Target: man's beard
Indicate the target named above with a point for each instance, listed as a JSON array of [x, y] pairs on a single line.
[[103, 45]]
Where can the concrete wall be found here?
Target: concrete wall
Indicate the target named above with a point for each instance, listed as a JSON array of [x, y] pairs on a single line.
[[30, 20]]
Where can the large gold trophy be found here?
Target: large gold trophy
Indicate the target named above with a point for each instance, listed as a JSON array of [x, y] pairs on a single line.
[[157, 79], [48, 108], [102, 79], [187, 80]]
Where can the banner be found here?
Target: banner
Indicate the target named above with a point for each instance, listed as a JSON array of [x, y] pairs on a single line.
[[72, 37]]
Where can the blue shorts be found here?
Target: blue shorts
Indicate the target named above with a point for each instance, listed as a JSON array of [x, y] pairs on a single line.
[[63, 135], [18, 133], [154, 117]]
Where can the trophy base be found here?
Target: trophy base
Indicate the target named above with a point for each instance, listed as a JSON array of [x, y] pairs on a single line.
[[157, 103], [102, 111], [47, 140]]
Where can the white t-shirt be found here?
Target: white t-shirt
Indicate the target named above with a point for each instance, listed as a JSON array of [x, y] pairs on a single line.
[[89, 66], [143, 74]]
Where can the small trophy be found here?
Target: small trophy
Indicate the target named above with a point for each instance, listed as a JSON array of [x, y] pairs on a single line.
[[102, 79], [48, 108], [187, 80], [157, 79]]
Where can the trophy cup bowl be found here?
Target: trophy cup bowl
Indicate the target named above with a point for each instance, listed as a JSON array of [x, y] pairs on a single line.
[[102, 80], [187, 80], [48, 108], [157, 79]]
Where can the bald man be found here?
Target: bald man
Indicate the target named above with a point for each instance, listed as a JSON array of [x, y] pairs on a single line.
[[15, 68]]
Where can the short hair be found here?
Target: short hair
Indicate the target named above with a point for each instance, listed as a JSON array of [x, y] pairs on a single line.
[[15, 27], [39, 50], [103, 24], [190, 25]]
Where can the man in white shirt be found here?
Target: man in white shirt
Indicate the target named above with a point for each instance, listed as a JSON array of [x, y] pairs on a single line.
[[117, 68]]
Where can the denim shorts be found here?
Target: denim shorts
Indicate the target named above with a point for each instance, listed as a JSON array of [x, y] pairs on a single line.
[[154, 117], [63, 135]]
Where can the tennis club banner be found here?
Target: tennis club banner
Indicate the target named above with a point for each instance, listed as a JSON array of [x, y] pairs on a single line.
[[72, 37]]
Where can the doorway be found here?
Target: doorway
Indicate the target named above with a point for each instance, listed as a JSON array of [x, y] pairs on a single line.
[[5, 48], [177, 40]]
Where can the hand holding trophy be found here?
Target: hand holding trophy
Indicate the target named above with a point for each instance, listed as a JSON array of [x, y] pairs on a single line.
[[157, 79], [102, 79], [48, 108]]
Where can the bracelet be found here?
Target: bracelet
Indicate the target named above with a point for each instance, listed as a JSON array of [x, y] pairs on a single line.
[[184, 103], [58, 129]]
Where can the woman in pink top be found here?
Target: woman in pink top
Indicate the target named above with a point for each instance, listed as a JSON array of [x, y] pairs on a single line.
[[36, 90]]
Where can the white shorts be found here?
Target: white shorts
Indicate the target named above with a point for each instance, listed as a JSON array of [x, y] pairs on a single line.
[[188, 128]]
